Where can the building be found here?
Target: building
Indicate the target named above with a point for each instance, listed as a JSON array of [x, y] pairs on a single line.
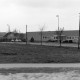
[[46, 36], [10, 36], [51, 35]]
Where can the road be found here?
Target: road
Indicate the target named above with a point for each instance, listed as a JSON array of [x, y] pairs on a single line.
[[22, 65], [57, 44], [47, 44]]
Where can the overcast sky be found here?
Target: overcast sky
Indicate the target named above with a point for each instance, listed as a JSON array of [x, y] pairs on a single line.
[[37, 13]]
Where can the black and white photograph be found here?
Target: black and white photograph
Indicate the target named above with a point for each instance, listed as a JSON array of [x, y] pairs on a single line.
[[39, 40]]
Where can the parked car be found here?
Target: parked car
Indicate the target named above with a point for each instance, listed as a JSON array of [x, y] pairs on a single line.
[[12, 40], [18, 40], [66, 41]]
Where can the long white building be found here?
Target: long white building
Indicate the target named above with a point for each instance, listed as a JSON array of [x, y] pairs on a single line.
[[47, 35], [51, 35]]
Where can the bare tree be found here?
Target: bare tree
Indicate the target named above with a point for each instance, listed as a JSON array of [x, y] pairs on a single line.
[[16, 34], [41, 32], [21, 36], [59, 35]]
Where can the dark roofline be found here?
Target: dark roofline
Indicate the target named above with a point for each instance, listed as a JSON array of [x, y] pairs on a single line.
[[7, 34], [49, 31]]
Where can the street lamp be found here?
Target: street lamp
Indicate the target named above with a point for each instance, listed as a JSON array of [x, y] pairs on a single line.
[[79, 32], [26, 35], [58, 26], [58, 21]]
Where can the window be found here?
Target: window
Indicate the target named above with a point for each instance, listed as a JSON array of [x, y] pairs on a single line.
[[76, 37], [56, 37], [44, 37], [68, 37], [73, 37]]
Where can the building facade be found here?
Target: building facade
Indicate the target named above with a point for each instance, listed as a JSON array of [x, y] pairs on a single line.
[[71, 35]]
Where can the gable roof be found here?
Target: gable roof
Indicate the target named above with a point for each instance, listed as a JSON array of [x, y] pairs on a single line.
[[15, 34], [2, 34], [7, 34]]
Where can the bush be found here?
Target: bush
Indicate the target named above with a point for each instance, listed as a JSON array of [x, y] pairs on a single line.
[[52, 40], [8, 53], [23, 40], [5, 40], [66, 41], [70, 41], [32, 39]]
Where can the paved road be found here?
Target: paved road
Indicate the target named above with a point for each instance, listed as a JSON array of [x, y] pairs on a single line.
[[48, 44], [57, 44], [39, 65]]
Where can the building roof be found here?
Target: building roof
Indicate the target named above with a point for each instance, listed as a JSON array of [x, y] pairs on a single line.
[[7, 34], [71, 33], [51, 33], [45, 33], [67, 33], [2, 34]]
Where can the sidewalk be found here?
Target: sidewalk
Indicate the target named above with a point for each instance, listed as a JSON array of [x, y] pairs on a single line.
[[33, 65]]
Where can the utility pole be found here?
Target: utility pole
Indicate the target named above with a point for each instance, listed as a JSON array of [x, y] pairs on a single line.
[[58, 21], [41, 37], [26, 34], [79, 32], [8, 27], [58, 25]]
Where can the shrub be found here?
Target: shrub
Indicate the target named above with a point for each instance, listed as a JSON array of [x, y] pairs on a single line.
[[70, 41], [23, 40], [66, 41], [32, 39]]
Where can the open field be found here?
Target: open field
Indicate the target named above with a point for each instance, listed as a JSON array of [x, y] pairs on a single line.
[[22, 53]]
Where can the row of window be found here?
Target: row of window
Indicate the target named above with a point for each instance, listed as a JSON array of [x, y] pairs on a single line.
[[44, 37], [72, 37], [68, 37]]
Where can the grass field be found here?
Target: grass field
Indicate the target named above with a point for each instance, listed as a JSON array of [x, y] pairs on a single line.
[[22, 53]]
